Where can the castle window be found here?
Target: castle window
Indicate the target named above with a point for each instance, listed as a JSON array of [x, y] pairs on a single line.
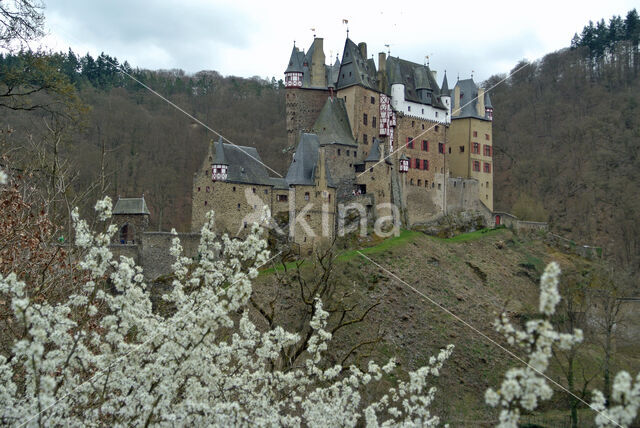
[[426, 183], [349, 74], [487, 184], [198, 189], [425, 164], [433, 185], [238, 206], [410, 142], [487, 150], [408, 108], [476, 166], [439, 186], [411, 181], [244, 224], [409, 163], [461, 149], [475, 133], [425, 146], [207, 189], [373, 122], [486, 137], [283, 198], [487, 167], [306, 196], [441, 148], [364, 118], [436, 116], [373, 100], [365, 139], [266, 192], [413, 123], [205, 203], [253, 189], [422, 111], [347, 152], [419, 182], [233, 188], [329, 197], [338, 152], [354, 153], [423, 126], [308, 217], [437, 127], [476, 148], [449, 150]]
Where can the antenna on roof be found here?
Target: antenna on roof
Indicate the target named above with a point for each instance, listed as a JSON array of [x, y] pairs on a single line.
[[314, 32], [346, 22], [388, 49], [472, 74]]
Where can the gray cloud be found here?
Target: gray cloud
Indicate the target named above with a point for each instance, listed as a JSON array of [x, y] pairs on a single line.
[[153, 34]]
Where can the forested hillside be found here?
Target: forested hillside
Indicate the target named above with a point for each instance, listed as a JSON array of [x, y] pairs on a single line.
[[142, 144], [567, 132]]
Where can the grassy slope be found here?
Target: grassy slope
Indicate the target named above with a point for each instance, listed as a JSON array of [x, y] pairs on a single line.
[[470, 275]]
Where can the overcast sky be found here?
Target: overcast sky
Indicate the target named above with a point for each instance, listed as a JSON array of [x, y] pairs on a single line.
[[255, 38]]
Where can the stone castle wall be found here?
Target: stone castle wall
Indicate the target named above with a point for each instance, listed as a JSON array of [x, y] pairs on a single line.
[[303, 107], [154, 252]]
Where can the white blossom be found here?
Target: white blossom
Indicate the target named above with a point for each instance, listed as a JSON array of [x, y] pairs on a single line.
[[103, 357]]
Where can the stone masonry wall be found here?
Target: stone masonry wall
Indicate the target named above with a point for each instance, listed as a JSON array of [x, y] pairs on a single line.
[[303, 107], [340, 160], [155, 258], [230, 201], [322, 210], [358, 103], [421, 130]]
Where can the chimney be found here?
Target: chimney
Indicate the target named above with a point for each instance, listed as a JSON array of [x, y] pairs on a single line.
[[382, 61], [382, 72], [363, 50], [318, 75]]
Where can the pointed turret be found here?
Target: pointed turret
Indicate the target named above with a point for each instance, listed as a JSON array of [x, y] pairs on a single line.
[[219, 165], [293, 73], [488, 107], [444, 90]]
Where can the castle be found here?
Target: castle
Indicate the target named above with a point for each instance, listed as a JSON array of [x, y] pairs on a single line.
[[385, 141]]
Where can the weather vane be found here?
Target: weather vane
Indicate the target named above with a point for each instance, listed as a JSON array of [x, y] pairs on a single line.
[[388, 49], [346, 22], [314, 32]]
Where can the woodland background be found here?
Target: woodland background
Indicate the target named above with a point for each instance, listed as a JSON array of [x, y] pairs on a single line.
[[567, 132]]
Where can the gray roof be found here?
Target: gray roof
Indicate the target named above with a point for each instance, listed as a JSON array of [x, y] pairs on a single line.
[[295, 61], [332, 125], [245, 165], [356, 70], [419, 84], [131, 206], [279, 183], [376, 153], [487, 100], [444, 90], [220, 158], [302, 170], [468, 100]]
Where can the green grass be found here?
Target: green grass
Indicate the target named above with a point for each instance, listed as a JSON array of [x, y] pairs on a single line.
[[404, 237], [464, 237]]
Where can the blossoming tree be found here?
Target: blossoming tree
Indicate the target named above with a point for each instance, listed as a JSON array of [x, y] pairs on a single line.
[[103, 357]]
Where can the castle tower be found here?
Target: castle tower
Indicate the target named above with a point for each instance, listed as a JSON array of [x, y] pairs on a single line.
[[445, 94], [470, 137], [306, 88]]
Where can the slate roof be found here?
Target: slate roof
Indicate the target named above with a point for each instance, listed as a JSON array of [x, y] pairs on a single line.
[[444, 90], [487, 101], [302, 170], [356, 70], [245, 165], [131, 206], [376, 153], [295, 61], [332, 125], [417, 79], [468, 100]]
